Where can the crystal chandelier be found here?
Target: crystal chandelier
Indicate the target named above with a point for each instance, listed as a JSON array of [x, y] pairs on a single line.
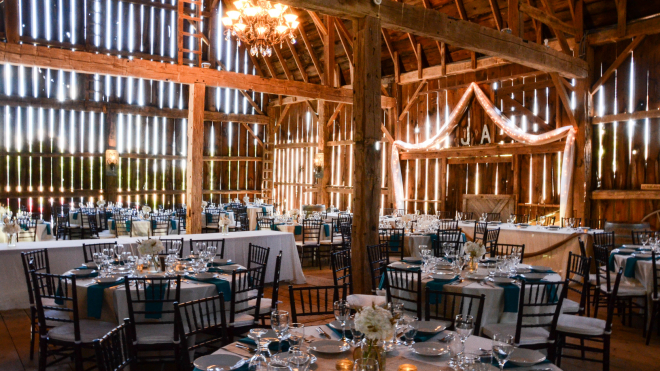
[[260, 24]]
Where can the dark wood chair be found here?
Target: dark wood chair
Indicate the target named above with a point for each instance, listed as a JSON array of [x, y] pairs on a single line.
[[393, 238], [637, 236], [247, 289], [405, 286], [169, 243], [219, 245], [605, 239], [180, 224], [309, 245], [88, 224], [493, 217], [594, 330], [89, 249], [265, 224], [577, 274], [114, 351], [444, 225], [122, 224], [505, 249], [378, 261], [577, 222], [480, 230], [202, 326], [346, 235], [257, 256], [160, 225], [468, 215], [28, 231], [342, 272], [212, 223], [151, 313], [448, 304], [539, 308], [269, 305], [314, 300], [36, 261], [655, 298], [521, 218]]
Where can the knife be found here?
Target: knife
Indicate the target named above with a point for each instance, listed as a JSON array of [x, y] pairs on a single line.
[[244, 347], [322, 333]]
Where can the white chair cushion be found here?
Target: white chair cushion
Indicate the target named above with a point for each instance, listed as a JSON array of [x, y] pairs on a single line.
[[579, 325], [242, 320], [626, 290], [264, 306], [89, 331], [155, 334], [528, 335], [570, 306], [359, 301], [592, 276]]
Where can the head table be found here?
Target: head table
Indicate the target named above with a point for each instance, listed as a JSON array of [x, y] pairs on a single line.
[[67, 254], [401, 355]]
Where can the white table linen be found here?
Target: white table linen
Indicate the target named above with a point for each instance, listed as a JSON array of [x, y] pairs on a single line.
[[67, 254], [252, 214], [643, 272], [42, 233]]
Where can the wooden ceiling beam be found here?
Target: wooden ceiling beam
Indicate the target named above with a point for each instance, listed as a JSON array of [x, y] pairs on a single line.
[[485, 150], [565, 100], [645, 26], [622, 16], [310, 51], [299, 63], [497, 15], [245, 94], [558, 33], [345, 43], [547, 19], [439, 26], [388, 42], [285, 67], [323, 31], [617, 62]]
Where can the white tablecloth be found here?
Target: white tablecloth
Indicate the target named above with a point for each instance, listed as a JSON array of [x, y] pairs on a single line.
[[252, 214], [43, 233], [67, 254], [643, 272], [397, 357], [291, 228], [139, 228], [537, 238]]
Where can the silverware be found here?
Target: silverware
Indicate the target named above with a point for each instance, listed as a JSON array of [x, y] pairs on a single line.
[[244, 347], [322, 333]]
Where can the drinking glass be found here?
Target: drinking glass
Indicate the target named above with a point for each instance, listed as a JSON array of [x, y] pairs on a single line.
[[342, 311], [357, 335], [98, 259], [119, 250], [396, 309], [410, 331], [279, 322], [502, 348], [464, 325], [299, 361], [212, 251], [541, 220], [258, 361], [296, 336], [278, 363], [645, 240], [365, 364]]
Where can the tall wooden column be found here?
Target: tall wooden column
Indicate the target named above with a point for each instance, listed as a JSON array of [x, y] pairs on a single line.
[[582, 175], [324, 109], [367, 169], [195, 160]]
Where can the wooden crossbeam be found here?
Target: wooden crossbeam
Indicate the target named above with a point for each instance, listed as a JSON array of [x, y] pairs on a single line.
[[282, 115], [388, 136], [245, 94], [497, 15], [439, 26], [388, 42], [547, 19], [617, 62], [485, 150], [645, 26], [524, 110], [412, 99], [249, 130], [310, 51], [335, 114], [323, 31], [296, 58], [624, 117], [565, 100], [559, 33]]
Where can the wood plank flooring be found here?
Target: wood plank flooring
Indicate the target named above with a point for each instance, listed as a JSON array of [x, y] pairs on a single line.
[[628, 350]]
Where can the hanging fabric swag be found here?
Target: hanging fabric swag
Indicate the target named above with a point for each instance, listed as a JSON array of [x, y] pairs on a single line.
[[507, 126]]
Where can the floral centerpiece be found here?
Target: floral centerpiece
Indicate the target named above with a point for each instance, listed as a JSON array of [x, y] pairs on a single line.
[[475, 250], [100, 203], [378, 325], [11, 228], [149, 249], [146, 210], [204, 205], [224, 222]]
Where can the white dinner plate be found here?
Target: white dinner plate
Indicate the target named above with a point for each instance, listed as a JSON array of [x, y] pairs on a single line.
[[431, 327], [523, 270], [81, 272], [631, 246], [226, 361], [110, 279], [534, 276], [91, 265], [523, 225], [540, 268], [203, 276], [402, 265], [469, 221], [502, 280], [230, 267], [552, 227], [221, 261], [329, 346], [526, 357], [476, 276], [627, 250], [443, 276], [430, 349], [154, 275]]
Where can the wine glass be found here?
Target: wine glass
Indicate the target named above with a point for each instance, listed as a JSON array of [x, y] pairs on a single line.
[[464, 325], [296, 336], [365, 364], [645, 240], [98, 259], [502, 348], [278, 363], [258, 361], [342, 311], [410, 331], [299, 360], [541, 220], [357, 335], [279, 322]]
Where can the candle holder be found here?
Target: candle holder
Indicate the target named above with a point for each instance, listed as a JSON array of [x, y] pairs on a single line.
[[407, 367], [344, 365]]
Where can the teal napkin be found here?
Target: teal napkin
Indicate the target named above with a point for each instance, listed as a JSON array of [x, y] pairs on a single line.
[[173, 224], [220, 270], [274, 227], [273, 347], [47, 228], [511, 295], [209, 218], [543, 271], [412, 260], [421, 337], [264, 210], [509, 364], [95, 298], [219, 264], [75, 216], [154, 308], [24, 227], [394, 244], [326, 229], [222, 286], [611, 260], [438, 285], [349, 335], [298, 230], [631, 263], [108, 214]]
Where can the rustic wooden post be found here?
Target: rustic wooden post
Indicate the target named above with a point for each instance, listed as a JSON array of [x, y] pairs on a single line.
[[325, 109], [195, 163], [367, 172], [110, 180], [12, 25], [582, 176]]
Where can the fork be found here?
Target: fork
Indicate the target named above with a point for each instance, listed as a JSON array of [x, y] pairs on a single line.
[[322, 333]]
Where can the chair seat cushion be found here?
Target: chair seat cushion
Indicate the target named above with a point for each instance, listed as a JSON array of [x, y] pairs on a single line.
[[579, 325], [528, 335], [242, 320], [329, 242], [306, 244], [89, 331], [359, 301], [626, 290], [264, 306], [155, 334], [570, 306]]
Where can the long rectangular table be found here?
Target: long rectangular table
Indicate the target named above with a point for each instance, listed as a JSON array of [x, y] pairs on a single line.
[[67, 254]]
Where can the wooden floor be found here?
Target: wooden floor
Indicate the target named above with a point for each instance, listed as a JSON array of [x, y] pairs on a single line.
[[628, 351]]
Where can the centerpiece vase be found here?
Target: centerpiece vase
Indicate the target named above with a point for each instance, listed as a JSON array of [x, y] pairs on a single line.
[[13, 239], [225, 229], [372, 349], [474, 264]]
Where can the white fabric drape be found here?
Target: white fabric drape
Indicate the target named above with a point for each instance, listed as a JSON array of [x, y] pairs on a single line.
[[503, 123]]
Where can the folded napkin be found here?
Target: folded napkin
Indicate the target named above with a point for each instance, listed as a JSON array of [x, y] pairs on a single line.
[[222, 286], [542, 270], [421, 337], [173, 224], [511, 295], [349, 334], [219, 264], [610, 263], [631, 263], [75, 216], [509, 365], [154, 309], [95, 298], [47, 228], [298, 230], [412, 260], [220, 270], [438, 285], [273, 347]]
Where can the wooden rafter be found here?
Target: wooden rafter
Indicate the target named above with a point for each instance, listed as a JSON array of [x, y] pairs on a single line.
[[310, 50], [282, 60], [296, 58], [336, 113], [282, 115], [412, 99], [497, 15], [388, 42], [622, 16], [565, 100], [558, 33], [323, 31], [617, 62], [346, 42], [271, 67], [547, 19], [249, 130], [461, 9], [245, 94], [523, 110], [645, 26], [342, 30]]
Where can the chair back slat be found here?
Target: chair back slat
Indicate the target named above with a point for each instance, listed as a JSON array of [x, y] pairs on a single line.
[[577, 274], [55, 294], [311, 230], [314, 301], [151, 301], [444, 225], [405, 286], [378, 261], [37, 261], [604, 239], [115, 350], [452, 239], [89, 249], [247, 285], [168, 243], [202, 325], [393, 238], [539, 306], [257, 256], [505, 249], [265, 223], [342, 272], [446, 305]]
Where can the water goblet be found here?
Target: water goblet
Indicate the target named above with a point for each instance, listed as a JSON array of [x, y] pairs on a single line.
[[342, 311], [645, 240], [296, 336], [464, 325], [299, 360], [358, 336], [258, 362], [410, 331], [279, 322], [502, 348]]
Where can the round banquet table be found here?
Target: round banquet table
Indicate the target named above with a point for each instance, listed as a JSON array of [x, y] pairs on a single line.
[[115, 307], [494, 302], [642, 273], [252, 214]]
